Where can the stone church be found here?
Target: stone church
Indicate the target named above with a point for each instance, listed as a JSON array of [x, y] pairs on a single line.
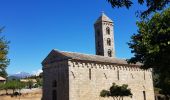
[[76, 76]]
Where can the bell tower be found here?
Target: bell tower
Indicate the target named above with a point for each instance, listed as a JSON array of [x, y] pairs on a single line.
[[104, 36]]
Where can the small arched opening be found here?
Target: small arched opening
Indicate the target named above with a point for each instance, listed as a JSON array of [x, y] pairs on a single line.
[[109, 53]]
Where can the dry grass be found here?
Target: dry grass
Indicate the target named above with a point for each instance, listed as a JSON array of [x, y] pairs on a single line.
[[33, 95]]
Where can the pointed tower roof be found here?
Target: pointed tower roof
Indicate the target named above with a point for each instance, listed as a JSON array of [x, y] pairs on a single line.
[[103, 17]]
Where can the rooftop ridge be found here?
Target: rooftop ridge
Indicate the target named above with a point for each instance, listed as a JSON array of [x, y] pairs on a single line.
[[86, 54], [90, 57]]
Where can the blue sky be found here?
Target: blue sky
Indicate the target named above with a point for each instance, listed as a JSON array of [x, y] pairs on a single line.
[[35, 27]]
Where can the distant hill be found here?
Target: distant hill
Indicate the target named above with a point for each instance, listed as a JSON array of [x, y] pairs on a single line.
[[19, 75]]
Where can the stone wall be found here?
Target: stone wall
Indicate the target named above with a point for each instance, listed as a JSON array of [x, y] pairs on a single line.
[[58, 72], [80, 80], [86, 80]]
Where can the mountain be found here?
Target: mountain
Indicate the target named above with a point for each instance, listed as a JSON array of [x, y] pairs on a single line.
[[19, 75]]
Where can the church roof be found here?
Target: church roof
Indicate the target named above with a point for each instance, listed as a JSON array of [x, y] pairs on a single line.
[[62, 55], [103, 17]]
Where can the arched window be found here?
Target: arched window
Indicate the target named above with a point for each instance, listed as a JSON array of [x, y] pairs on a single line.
[[108, 30], [54, 84], [108, 41], [109, 53]]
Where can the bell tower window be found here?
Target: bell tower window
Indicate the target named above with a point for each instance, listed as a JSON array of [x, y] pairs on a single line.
[[109, 53], [108, 31], [108, 42]]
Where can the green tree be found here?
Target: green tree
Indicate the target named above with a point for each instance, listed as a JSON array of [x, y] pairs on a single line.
[[30, 84], [3, 87], [116, 91], [151, 46], [20, 85], [4, 61], [12, 85], [41, 75], [152, 5], [39, 82]]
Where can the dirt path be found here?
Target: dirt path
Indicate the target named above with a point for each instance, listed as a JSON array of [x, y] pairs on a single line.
[[22, 97], [27, 94]]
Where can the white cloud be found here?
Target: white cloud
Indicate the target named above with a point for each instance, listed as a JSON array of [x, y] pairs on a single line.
[[37, 72], [18, 72]]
